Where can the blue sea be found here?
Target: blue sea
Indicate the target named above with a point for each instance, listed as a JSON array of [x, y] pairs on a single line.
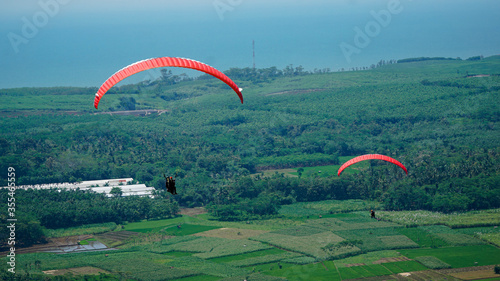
[[82, 43]]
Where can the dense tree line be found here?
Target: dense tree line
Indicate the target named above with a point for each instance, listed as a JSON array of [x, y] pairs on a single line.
[[473, 58], [425, 59]]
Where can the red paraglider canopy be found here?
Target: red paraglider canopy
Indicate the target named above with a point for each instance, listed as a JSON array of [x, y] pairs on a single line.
[[162, 62], [368, 157]]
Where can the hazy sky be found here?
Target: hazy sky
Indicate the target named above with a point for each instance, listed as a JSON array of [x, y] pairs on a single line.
[[81, 42]]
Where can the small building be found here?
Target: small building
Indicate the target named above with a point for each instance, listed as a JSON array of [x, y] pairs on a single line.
[[99, 186]]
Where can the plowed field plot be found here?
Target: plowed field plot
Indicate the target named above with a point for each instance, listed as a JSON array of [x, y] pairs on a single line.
[[231, 233], [116, 238], [87, 270], [54, 245], [192, 211], [471, 273], [384, 260]]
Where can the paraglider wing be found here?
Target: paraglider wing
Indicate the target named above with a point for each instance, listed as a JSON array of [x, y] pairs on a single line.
[[368, 157], [162, 62]]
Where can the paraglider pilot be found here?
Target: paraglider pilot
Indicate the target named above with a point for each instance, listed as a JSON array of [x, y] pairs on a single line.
[[170, 184]]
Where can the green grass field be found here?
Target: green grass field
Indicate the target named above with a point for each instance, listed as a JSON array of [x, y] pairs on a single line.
[[328, 271], [422, 238], [404, 266], [331, 170], [493, 238], [155, 225], [327, 207], [432, 262], [272, 251], [368, 258], [283, 257], [378, 239], [296, 243], [315, 271], [200, 278], [81, 230], [363, 271], [455, 220], [451, 236], [460, 256], [86, 242], [489, 234], [310, 245], [187, 229]]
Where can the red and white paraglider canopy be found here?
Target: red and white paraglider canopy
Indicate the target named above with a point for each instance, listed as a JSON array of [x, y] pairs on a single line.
[[162, 62], [368, 157]]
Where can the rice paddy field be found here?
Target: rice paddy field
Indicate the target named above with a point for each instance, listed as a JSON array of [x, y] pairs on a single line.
[[328, 207], [315, 244], [456, 220]]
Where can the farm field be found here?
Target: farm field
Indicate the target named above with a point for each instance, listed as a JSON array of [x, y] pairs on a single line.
[[328, 207], [455, 220], [457, 257], [317, 171], [343, 246]]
